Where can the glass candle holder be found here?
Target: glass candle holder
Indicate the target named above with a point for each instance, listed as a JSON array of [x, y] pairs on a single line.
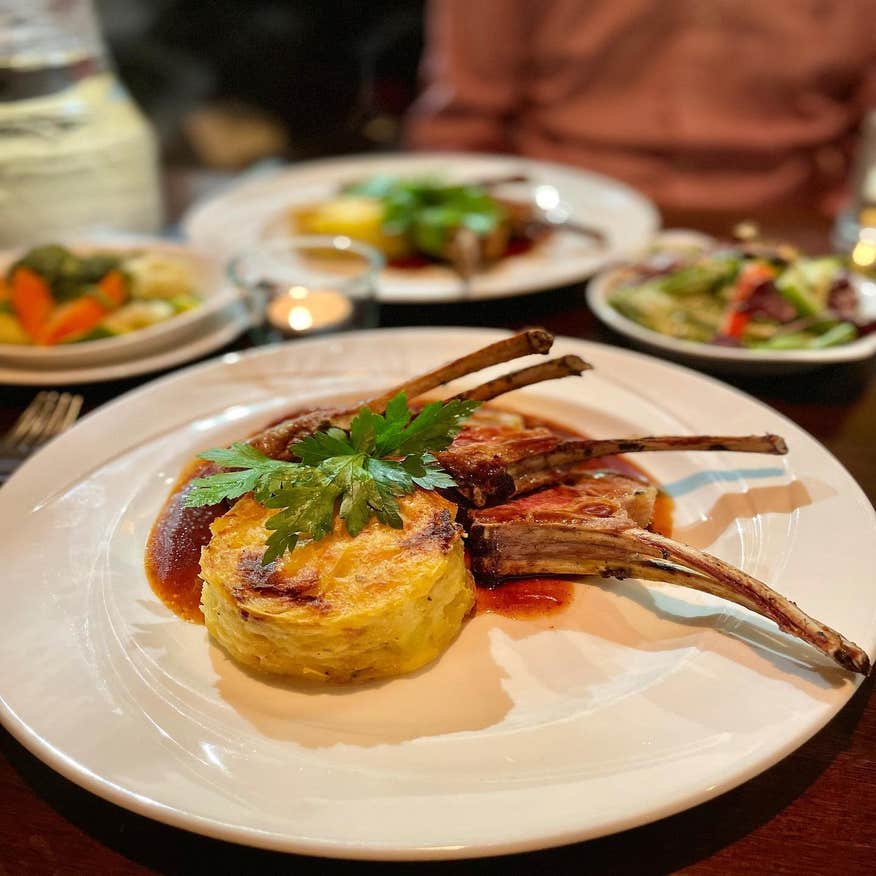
[[308, 285]]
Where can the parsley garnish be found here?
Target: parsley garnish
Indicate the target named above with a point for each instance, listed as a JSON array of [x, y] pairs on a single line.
[[428, 212], [357, 474]]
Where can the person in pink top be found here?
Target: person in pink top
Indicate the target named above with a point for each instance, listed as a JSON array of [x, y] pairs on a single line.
[[702, 104]]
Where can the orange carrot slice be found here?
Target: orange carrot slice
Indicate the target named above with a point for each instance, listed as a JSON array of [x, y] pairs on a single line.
[[71, 320], [114, 288], [31, 300]]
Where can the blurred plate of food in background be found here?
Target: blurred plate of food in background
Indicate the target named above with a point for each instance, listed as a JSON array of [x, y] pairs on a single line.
[[101, 301], [451, 225], [749, 307]]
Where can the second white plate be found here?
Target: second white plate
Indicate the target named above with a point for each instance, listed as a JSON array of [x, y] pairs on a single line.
[[238, 219]]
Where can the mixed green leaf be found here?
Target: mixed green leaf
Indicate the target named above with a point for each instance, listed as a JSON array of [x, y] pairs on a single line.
[[356, 474], [67, 273], [428, 211]]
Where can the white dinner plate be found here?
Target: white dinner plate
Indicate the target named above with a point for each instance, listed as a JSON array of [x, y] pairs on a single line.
[[213, 334], [211, 285], [636, 702], [252, 211], [726, 360]]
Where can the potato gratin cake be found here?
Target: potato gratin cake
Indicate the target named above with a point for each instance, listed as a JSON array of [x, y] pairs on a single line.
[[340, 609]]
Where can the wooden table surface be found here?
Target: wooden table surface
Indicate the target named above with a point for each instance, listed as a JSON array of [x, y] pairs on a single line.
[[815, 812]]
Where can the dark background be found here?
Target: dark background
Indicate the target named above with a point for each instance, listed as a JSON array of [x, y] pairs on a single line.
[[336, 74]]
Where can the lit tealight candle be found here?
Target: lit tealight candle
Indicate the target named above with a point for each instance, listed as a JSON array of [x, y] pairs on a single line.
[[301, 310]]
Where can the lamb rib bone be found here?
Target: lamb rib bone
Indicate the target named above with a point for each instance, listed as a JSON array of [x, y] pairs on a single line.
[[553, 369], [522, 344], [558, 539], [538, 470], [518, 461], [275, 440]]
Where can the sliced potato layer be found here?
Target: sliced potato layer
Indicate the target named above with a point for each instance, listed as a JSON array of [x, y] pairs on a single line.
[[341, 609]]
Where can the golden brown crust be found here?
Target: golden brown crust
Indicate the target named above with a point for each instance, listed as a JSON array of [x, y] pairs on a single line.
[[383, 603], [259, 580]]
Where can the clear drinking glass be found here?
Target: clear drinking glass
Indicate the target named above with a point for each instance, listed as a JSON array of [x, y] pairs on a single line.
[[308, 285], [856, 225]]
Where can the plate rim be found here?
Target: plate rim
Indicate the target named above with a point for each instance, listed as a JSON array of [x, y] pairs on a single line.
[[212, 827], [227, 326]]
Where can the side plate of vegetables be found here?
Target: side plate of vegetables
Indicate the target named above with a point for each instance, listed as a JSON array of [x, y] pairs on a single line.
[[80, 301], [745, 306]]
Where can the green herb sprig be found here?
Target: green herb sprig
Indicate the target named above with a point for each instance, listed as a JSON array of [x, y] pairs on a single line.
[[356, 474], [428, 212]]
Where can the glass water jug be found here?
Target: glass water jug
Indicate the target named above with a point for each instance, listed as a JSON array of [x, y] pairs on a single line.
[[76, 155]]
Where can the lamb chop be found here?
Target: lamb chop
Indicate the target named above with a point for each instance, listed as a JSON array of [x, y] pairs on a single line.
[[469, 252], [595, 524], [493, 463], [275, 440]]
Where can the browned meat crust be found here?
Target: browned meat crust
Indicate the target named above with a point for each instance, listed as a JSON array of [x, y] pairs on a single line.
[[492, 465]]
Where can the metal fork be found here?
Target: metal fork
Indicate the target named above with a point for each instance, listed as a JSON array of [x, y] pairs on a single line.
[[49, 414]]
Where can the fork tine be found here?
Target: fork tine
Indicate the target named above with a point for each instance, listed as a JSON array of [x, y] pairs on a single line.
[[62, 412], [34, 435], [48, 414], [44, 423], [72, 412], [22, 424], [26, 422], [54, 418]]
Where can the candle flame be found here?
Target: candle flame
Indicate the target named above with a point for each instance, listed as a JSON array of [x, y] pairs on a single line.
[[300, 318]]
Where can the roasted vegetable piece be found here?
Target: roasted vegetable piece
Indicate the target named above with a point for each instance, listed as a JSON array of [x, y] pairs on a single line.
[[137, 315], [699, 278], [95, 267], [71, 320], [11, 331], [50, 262], [114, 289], [31, 300], [737, 316]]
